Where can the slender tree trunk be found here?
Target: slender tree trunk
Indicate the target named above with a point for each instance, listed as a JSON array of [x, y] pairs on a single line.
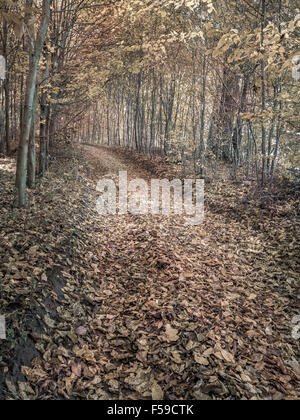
[[32, 147], [137, 112], [6, 90], [1, 132], [263, 99], [153, 112], [43, 117], [35, 53], [202, 121]]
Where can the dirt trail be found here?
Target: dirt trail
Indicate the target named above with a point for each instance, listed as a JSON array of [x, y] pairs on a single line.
[[105, 161], [185, 312], [102, 160]]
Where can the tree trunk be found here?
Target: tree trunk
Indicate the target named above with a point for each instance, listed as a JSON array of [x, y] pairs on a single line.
[[263, 99], [44, 111], [6, 91], [35, 53], [32, 147]]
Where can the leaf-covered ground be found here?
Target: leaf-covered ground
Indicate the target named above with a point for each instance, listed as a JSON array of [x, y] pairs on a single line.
[[141, 307]]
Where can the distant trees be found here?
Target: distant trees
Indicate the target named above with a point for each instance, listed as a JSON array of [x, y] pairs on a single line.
[[206, 86]]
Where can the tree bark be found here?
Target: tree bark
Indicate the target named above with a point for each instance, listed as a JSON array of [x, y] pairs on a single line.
[[32, 147]]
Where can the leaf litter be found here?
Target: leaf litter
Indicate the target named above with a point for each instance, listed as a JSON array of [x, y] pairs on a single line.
[[139, 307]]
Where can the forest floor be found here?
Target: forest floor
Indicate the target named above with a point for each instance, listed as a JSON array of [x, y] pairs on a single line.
[[146, 307]]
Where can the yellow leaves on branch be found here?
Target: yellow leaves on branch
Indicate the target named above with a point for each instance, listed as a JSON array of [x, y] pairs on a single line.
[[226, 42], [276, 48], [192, 4], [141, 8]]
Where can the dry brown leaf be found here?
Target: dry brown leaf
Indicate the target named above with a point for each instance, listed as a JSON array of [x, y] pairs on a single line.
[[157, 392], [201, 360], [171, 333]]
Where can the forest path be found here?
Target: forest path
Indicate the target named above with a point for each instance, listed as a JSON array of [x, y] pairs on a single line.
[[104, 161], [183, 311], [145, 307]]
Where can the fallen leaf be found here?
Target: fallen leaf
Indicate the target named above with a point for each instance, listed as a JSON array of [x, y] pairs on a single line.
[[157, 392], [171, 333]]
